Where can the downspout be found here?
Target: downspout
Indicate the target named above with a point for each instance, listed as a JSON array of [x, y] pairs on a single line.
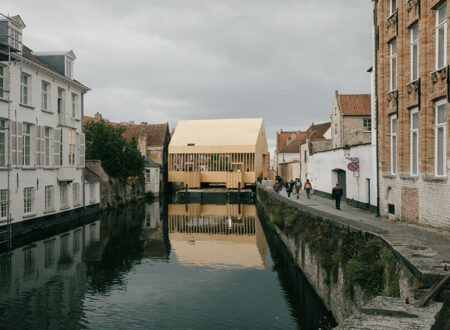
[[375, 49], [82, 171]]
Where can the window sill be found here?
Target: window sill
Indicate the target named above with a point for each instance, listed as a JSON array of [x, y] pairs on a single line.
[[49, 211], [47, 111], [412, 178], [27, 106], [28, 215], [3, 168], [77, 205], [63, 208], [442, 179], [28, 168], [78, 119], [5, 100], [389, 176]]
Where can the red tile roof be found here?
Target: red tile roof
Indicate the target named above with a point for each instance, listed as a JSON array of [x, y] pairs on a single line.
[[156, 133], [282, 138], [355, 104]]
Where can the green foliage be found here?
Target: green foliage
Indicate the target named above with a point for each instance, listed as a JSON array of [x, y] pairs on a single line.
[[119, 158], [366, 262]]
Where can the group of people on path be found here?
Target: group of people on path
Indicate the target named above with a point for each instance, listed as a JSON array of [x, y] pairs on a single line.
[[296, 185]]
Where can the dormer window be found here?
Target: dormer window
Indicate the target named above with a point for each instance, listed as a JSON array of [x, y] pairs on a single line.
[[69, 68]]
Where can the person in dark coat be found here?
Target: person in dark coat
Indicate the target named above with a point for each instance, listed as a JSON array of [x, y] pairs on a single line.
[[289, 186], [308, 188], [337, 195]]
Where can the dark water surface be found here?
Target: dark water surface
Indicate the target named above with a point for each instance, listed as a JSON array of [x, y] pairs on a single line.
[[158, 266]]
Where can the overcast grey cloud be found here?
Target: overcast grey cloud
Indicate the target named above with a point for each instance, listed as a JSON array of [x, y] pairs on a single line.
[[165, 60]]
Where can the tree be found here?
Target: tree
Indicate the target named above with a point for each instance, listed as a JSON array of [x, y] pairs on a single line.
[[119, 158]]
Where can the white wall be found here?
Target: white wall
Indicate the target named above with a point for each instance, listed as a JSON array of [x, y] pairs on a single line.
[[34, 175], [323, 178], [153, 185]]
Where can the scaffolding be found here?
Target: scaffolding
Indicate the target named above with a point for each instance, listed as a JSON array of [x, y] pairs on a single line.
[[10, 54]]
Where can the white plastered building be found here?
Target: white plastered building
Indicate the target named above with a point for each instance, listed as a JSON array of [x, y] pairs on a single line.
[[42, 147]]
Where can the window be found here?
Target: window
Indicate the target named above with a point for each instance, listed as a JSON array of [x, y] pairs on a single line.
[[25, 89], [26, 152], [305, 156], [441, 36], [92, 192], [47, 146], [393, 64], [45, 89], [63, 195], [3, 202], [441, 138], [49, 198], [147, 175], [28, 200], [69, 69], [72, 138], [76, 194], [60, 100], [392, 6], [414, 122], [74, 105], [367, 122], [61, 150], [415, 52], [49, 253], [394, 144], [15, 38], [2, 81], [2, 142]]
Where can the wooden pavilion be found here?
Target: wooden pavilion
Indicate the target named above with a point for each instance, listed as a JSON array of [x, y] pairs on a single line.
[[227, 151]]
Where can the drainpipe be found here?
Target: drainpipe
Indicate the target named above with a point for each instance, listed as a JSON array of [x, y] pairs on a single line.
[[375, 60], [82, 170]]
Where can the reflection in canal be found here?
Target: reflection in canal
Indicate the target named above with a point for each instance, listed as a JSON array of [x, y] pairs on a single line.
[[157, 266]]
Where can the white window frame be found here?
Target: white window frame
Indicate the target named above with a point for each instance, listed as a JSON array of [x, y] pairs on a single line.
[[439, 126], [414, 131], [442, 25], [63, 198], [47, 146], [45, 95], [72, 144], [392, 7], [49, 198], [92, 197], [3, 135], [76, 194], [147, 175], [60, 100], [26, 157], [28, 200], [2, 81], [393, 65], [25, 88], [393, 142], [69, 68], [367, 125], [3, 203], [414, 50], [74, 105]]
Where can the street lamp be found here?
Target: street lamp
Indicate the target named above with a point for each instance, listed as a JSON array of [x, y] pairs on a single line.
[[347, 155]]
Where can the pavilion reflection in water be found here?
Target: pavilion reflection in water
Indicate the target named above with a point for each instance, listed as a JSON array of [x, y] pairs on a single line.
[[220, 236]]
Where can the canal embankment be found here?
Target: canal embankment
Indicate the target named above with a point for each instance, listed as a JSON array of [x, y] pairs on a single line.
[[351, 257]]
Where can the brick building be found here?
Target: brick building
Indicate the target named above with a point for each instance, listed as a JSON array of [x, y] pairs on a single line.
[[411, 48], [351, 121]]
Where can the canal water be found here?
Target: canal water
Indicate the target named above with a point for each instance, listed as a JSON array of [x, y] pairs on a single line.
[[159, 266]]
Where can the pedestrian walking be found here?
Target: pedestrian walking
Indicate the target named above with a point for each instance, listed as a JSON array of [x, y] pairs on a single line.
[[289, 186], [337, 193], [308, 188], [298, 187]]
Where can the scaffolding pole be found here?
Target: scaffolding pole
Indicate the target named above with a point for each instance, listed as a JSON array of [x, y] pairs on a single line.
[[14, 55]]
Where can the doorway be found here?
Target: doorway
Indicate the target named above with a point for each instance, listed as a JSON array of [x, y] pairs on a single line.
[[339, 176]]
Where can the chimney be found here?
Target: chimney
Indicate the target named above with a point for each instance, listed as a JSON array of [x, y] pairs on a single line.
[[98, 116], [144, 123]]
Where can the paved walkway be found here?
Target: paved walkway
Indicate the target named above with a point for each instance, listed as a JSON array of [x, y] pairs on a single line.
[[427, 249]]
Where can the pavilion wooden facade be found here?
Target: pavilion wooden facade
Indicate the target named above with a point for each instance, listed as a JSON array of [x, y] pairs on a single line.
[[227, 151]]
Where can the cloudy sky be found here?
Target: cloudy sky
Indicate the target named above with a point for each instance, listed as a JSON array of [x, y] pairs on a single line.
[[165, 60]]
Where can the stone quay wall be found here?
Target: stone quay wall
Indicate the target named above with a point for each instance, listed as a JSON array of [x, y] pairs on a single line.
[[115, 192], [347, 268]]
